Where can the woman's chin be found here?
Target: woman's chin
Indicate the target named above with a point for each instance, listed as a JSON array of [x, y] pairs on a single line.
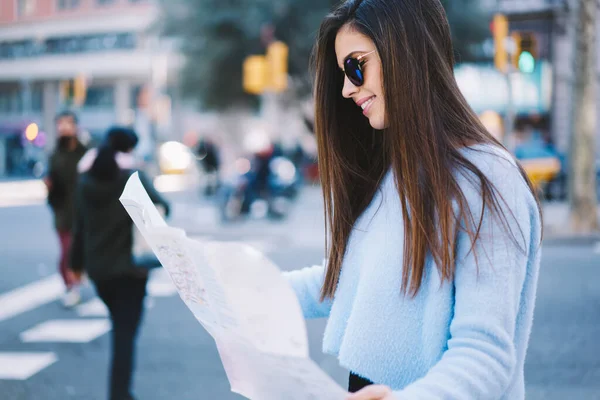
[[377, 123]]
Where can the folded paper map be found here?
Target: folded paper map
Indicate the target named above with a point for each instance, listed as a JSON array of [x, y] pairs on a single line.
[[241, 299]]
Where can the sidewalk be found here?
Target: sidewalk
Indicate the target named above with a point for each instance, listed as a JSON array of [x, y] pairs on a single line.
[[556, 219], [557, 225], [303, 226], [305, 222]]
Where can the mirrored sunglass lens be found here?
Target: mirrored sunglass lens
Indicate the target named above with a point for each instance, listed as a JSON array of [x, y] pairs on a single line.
[[353, 72]]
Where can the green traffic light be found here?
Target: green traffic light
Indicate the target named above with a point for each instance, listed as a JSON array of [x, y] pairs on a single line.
[[526, 62]]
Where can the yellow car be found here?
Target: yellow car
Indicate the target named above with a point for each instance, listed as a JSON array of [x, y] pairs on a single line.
[[540, 163], [541, 170]]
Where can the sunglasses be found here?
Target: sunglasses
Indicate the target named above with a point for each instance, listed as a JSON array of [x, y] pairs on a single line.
[[353, 68]]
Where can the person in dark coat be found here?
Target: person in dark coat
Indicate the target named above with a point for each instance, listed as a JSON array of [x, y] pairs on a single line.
[[61, 181], [102, 247], [208, 154]]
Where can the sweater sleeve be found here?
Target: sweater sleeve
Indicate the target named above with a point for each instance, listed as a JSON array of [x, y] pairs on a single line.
[[480, 360], [307, 283]]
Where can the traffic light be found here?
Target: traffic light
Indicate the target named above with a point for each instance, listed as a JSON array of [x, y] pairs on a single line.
[[73, 91], [255, 72], [525, 55], [500, 31], [267, 73], [79, 90], [66, 92], [277, 59]]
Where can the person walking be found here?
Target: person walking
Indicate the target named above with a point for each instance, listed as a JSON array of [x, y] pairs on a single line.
[[102, 247], [61, 181], [434, 231]]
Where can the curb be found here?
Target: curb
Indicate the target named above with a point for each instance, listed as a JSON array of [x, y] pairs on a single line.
[[574, 239]]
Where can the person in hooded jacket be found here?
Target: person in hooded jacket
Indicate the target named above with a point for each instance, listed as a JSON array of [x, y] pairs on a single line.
[[102, 247]]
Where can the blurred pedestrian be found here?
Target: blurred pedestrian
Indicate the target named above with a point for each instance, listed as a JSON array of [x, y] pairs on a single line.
[[434, 229], [61, 181], [102, 247], [262, 166], [208, 154]]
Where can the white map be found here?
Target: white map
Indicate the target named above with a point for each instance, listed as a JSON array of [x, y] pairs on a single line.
[[240, 297]]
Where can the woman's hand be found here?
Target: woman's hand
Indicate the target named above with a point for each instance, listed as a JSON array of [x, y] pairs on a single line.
[[373, 392]]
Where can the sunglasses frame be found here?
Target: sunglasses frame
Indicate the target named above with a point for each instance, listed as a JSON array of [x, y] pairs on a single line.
[[359, 66]]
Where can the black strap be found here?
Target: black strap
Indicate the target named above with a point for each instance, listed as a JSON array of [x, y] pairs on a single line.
[[355, 383]]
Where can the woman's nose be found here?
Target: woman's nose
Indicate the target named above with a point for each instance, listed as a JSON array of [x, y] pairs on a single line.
[[348, 89]]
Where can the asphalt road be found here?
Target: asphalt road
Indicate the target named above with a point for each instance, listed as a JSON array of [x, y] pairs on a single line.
[[50, 353]]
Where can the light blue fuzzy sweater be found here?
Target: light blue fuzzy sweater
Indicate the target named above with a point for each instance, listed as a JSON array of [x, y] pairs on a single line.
[[461, 341]]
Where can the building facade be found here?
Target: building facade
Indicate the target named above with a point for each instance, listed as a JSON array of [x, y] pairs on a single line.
[[108, 44], [553, 22]]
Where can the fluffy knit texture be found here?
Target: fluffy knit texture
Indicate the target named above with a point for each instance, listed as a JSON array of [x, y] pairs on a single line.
[[463, 340]]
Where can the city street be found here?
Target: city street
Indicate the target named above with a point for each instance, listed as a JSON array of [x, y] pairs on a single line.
[[49, 353]]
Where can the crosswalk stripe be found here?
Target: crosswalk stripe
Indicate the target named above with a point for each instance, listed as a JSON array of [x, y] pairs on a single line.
[[92, 308], [264, 246], [15, 203], [161, 289], [22, 366], [261, 245], [30, 296], [67, 331], [49, 289], [160, 284]]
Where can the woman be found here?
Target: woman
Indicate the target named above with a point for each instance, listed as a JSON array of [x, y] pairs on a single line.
[[102, 246], [433, 229]]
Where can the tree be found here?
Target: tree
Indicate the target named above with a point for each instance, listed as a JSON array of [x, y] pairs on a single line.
[[469, 24], [582, 163], [215, 36], [213, 41]]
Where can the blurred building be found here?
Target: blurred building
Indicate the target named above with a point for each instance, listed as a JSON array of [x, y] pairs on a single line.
[[552, 23], [106, 44]]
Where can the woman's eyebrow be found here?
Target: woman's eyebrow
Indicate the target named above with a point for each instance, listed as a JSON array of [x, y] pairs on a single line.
[[353, 54]]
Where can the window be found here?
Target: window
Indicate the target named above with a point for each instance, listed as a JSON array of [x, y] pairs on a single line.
[[25, 7], [37, 98], [68, 45], [67, 4], [100, 97], [10, 101], [136, 91], [4, 103]]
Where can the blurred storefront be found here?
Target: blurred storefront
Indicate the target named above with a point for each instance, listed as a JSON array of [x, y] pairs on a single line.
[[487, 92], [552, 25], [540, 46]]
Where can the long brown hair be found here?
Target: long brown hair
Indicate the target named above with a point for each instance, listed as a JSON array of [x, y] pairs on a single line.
[[428, 123]]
